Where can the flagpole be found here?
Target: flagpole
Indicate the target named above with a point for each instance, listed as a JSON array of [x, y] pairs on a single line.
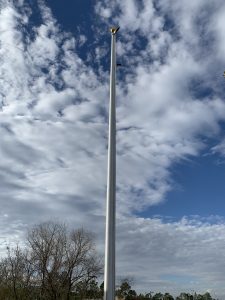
[[110, 236]]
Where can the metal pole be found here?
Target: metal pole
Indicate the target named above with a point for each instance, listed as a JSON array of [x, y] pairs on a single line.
[[109, 275]]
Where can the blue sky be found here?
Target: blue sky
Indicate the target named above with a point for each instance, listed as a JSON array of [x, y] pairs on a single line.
[[54, 92], [199, 189]]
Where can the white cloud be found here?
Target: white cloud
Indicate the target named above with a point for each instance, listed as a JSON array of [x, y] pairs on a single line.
[[54, 130], [158, 252], [163, 109]]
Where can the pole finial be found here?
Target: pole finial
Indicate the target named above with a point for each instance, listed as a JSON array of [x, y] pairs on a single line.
[[114, 29]]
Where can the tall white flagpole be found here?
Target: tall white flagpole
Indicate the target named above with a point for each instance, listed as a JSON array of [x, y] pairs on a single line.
[[109, 275]]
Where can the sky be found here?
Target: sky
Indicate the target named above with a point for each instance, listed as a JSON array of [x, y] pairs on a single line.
[[54, 95]]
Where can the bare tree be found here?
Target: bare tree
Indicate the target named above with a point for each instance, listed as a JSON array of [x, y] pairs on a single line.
[[82, 262], [62, 259], [16, 271], [47, 243], [54, 261], [4, 279]]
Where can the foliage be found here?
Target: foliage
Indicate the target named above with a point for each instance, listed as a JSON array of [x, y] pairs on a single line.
[[186, 296], [126, 293], [158, 296]]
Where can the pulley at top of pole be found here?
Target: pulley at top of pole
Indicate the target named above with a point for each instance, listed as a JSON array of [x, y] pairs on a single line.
[[114, 30]]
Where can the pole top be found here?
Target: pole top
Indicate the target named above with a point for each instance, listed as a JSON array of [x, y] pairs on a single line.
[[114, 29]]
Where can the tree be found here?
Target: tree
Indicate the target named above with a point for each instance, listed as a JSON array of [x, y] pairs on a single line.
[[53, 262], [101, 290], [158, 296], [123, 290], [47, 244], [167, 296], [141, 296], [16, 275], [63, 258], [199, 297], [149, 295], [185, 296], [89, 290], [82, 262], [131, 295], [207, 296]]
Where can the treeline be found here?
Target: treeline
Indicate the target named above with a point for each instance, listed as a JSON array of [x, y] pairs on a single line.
[[60, 264], [126, 293], [55, 263]]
